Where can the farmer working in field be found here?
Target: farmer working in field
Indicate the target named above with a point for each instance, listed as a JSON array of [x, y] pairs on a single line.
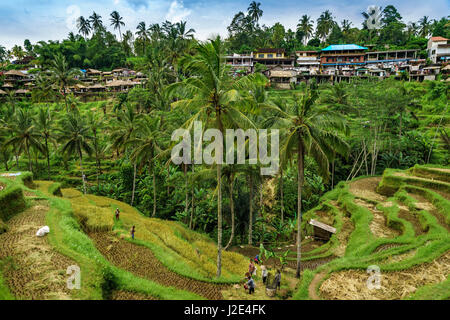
[[251, 267], [250, 285], [117, 213], [264, 273], [133, 230], [278, 279]]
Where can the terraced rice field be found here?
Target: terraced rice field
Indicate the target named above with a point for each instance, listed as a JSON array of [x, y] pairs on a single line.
[[143, 263], [399, 222]]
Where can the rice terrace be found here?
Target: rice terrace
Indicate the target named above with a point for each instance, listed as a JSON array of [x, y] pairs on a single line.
[[335, 184]]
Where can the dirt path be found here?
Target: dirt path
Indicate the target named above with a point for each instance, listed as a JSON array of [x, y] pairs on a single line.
[[314, 284], [31, 267], [142, 262], [367, 188]]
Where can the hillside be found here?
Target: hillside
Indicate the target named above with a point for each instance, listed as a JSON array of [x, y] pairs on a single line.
[[399, 222]]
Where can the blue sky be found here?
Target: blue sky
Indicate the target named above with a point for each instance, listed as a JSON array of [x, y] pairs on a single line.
[[54, 19]]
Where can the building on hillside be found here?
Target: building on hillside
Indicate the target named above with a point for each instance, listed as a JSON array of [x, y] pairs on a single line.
[[390, 61], [281, 78], [308, 62], [342, 59], [273, 57], [438, 50], [240, 62], [15, 76]]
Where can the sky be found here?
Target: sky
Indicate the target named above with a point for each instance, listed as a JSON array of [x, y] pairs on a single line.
[[53, 19]]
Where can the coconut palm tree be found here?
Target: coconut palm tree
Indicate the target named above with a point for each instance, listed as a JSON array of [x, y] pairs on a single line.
[[62, 75], [84, 26], [96, 124], [116, 22], [183, 32], [254, 11], [74, 134], [24, 135], [313, 131], [425, 26], [96, 21], [147, 146], [325, 24], [306, 26], [213, 96], [44, 125]]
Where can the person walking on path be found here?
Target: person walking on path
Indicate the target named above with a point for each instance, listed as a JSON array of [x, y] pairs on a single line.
[[278, 279], [133, 230], [117, 214]]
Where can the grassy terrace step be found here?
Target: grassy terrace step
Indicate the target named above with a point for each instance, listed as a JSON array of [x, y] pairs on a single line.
[[395, 179]]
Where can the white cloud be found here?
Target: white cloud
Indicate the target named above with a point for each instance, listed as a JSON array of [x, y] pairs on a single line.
[[177, 12]]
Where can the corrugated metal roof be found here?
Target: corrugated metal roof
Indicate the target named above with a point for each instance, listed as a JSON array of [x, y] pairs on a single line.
[[340, 47]]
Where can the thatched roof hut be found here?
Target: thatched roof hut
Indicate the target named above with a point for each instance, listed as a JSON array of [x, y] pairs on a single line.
[[15, 73], [2, 92]]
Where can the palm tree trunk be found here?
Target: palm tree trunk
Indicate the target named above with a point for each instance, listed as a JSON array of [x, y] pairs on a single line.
[[134, 185], [231, 188], [30, 165], [154, 192], [82, 171], [186, 204], [250, 219], [219, 220], [282, 195], [193, 207], [48, 156], [300, 174]]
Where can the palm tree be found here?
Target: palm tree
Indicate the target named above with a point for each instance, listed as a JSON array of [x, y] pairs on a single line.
[[74, 134], [24, 135], [324, 25], [142, 34], [254, 11], [310, 130], [425, 26], [147, 146], [84, 26], [124, 129], [306, 27], [62, 75], [183, 32], [96, 21], [116, 22], [44, 126], [95, 123], [213, 95]]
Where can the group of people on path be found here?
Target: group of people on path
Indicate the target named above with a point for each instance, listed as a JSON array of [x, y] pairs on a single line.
[[133, 230], [252, 269]]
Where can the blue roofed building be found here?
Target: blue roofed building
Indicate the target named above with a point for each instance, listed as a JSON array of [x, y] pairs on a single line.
[[342, 58]]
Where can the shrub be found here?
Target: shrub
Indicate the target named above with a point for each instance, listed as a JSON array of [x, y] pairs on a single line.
[[12, 202]]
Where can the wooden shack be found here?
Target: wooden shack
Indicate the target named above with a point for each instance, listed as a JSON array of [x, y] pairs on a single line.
[[321, 230]]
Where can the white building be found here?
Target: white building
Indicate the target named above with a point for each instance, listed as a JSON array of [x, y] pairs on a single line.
[[438, 49]]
